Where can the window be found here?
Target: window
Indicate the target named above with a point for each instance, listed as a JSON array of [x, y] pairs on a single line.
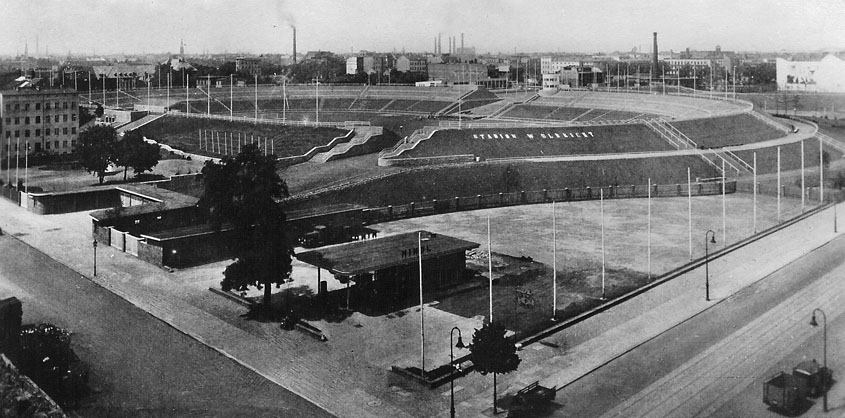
[[37, 120], [26, 133], [17, 106], [73, 104], [38, 106], [73, 143], [73, 116], [38, 132], [26, 106], [73, 130], [37, 146], [65, 131], [56, 132], [47, 106], [17, 121], [56, 144], [8, 121], [64, 118], [26, 120], [8, 134], [56, 106], [17, 134], [56, 119], [47, 145], [8, 107], [47, 131], [64, 105], [64, 144]]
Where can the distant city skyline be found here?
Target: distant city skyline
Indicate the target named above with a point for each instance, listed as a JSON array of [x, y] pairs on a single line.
[[83, 27]]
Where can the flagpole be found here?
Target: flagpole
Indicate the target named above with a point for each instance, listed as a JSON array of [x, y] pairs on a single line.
[[601, 206], [422, 307], [554, 262], [821, 172], [187, 94], [649, 228], [231, 111], [802, 176], [689, 209], [490, 267], [724, 208], [778, 184], [755, 192]]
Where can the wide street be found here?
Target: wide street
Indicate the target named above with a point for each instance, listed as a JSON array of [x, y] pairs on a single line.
[[715, 363], [140, 366]]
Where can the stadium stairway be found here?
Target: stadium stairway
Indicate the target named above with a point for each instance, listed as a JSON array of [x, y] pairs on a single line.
[[713, 158], [454, 106], [362, 94], [138, 123], [409, 142], [343, 150]]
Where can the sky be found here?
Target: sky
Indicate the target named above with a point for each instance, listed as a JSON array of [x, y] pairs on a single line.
[[264, 26]]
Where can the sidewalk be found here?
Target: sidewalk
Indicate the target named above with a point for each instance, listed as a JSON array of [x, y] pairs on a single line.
[[327, 376]]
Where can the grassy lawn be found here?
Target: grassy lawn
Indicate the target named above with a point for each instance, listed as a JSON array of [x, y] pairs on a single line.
[[728, 130], [183, 133], [605, 139]]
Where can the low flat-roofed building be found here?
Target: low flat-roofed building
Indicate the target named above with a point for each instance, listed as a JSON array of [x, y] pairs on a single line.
[[388, 269]]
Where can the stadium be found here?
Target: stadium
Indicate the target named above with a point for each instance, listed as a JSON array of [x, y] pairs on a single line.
[[634, 181]]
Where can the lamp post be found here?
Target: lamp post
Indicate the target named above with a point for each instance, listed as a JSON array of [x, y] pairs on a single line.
[[707, 262], [94, 244], [460, 344], [824, 363]]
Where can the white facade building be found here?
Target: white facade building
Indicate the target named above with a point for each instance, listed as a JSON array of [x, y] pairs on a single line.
[[825, 76]]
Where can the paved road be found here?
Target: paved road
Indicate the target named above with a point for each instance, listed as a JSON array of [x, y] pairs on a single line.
[[714, 364], [140, 366]]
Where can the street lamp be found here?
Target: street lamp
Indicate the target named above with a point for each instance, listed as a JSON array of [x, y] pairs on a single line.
[[824, 332], [712, 240], [460, 344], [94, 244]]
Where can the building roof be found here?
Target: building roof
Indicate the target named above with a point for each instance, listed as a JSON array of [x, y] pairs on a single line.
[[361, 257]]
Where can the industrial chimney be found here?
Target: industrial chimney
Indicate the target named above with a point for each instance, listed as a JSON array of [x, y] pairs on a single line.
[[654, 58], [294, 44]]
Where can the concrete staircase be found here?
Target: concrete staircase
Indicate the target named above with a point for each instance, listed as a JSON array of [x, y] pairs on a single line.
[[362, 135], [138, 123]]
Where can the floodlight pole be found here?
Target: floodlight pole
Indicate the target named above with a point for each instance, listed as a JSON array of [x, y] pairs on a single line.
[[422, 308], [779, 189], [554, 261], [601, 206], [490, 268], [802, 176], [755, 192], [649, 229], [689, 210]]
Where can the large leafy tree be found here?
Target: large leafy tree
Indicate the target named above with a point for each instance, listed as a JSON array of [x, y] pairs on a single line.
[[133, 151], [96, 149], [492, 352], [244, 192]]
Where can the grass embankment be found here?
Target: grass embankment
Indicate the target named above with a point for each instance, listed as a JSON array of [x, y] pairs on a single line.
[[183, 133]]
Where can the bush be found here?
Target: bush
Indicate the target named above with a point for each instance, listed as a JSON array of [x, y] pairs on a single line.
[[47, 358]]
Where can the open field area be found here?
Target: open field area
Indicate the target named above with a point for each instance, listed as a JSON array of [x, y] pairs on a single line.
[[727, 131]]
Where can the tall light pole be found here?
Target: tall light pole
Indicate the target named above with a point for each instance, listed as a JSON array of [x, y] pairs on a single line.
[[554, 262], [460, 344], [825, 374], [707, 262], [601, 206], [94, 244]]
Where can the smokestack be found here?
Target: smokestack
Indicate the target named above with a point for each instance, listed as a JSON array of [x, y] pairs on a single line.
[[654, 58], [294, 44], [439, 43], [435, 44], [462, 42]]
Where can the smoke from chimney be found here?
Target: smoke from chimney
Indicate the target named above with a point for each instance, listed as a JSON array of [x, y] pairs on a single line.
[[294, 43]]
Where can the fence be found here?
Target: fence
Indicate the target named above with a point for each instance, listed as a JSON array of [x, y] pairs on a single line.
[[431, 207], [274, 121]]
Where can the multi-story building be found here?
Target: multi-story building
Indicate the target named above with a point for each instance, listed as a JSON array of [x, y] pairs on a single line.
[[37, 121]]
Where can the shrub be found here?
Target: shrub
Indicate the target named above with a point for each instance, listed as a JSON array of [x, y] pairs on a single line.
[[47, 358]]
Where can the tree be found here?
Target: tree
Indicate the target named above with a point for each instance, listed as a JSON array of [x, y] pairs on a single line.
[[243, 191], [96, 149], [133, 151], [492, 352]]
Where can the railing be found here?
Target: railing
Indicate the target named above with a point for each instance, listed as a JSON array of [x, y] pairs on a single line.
[[770, 122], [288, 122], [431, 207]]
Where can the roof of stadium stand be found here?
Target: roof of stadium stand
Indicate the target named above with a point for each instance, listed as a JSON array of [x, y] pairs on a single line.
[[362, 257]]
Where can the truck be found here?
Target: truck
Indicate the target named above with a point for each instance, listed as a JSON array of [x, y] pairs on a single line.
[[785, 391]]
